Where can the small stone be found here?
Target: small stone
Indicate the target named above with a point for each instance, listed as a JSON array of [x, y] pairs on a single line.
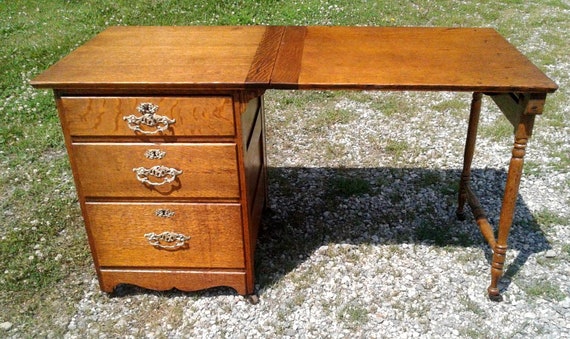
[[550, 254], [6, 326]]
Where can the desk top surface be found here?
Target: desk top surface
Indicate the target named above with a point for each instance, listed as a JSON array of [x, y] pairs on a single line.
[[289, 57]]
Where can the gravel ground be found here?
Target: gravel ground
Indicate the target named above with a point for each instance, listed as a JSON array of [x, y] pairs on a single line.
[[389, 260]]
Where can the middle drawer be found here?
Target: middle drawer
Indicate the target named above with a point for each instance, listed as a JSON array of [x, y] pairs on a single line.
[[143, 170]]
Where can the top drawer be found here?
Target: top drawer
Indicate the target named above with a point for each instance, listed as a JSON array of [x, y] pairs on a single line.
[[147, 116]]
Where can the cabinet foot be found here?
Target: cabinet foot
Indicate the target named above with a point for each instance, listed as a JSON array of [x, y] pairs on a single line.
[[252, 299]]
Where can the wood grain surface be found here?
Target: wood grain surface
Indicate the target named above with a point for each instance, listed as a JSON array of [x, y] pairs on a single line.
[[314, 57], [104, 116], [147, 57], [215, 233], [106, 170], [397, 58]]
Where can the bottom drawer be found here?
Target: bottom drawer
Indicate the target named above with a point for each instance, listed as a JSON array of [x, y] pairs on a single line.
[[122, 235]]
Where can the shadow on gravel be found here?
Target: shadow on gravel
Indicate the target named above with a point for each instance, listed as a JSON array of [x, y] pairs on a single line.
[[312, 207]]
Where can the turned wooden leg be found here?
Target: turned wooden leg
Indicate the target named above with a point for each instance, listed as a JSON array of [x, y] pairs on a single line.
[[523, 131], [468, 155]]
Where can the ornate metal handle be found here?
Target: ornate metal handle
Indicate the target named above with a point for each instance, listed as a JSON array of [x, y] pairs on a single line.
[[169, 174], [148, 118], [167, 240]]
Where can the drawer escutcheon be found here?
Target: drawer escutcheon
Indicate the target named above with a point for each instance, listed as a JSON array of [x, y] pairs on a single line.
[[164, 213], [153, 154]]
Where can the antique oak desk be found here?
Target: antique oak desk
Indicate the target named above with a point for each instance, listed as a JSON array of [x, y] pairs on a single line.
[[164, 130]]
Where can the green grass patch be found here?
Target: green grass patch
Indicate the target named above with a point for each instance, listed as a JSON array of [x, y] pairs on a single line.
[[532, 168], [544, 289], [456, 107], [548, 218], [499, 131], [472, 306], [333, 116], [397, 148], [345, 186], [441, 234], [390, 104], [566, 249], [429, 178], [561, 161], [449, 187], [353, 315]]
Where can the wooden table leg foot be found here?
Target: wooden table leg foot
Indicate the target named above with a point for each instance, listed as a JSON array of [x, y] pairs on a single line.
[[494, 295], [461, 216], [498, 262]]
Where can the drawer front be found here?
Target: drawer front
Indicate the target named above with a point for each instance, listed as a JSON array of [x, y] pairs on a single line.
[[125, 116], [126, 170], [210, 235]]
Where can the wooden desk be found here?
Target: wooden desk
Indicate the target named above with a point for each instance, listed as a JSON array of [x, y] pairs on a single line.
[[172, 196]]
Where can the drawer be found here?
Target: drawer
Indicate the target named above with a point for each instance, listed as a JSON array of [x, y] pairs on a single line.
[[182, 116], [188, 170], [122, 235]]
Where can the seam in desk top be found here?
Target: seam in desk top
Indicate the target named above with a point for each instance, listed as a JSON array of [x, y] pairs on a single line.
[[289, 59], [263, 63]]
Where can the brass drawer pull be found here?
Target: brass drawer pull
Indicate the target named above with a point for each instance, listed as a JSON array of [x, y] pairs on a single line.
[[148, 118], [169, 174], [167, 240]]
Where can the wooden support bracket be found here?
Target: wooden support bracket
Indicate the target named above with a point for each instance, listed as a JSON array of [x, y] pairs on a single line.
[[513, 105]]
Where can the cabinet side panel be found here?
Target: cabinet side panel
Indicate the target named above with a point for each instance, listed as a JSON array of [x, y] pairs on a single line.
[[73, 163]]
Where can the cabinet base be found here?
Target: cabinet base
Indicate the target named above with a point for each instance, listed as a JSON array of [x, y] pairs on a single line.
[[184, 280]]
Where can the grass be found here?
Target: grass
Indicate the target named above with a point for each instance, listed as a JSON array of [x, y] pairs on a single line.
[[345, 186], [354, 315], [390, 105], [499, 130], [532, 168], [441, 235], [563, 156], [43, 247], [472, 306], [547, 218], [454, 106], [544, 289], [334, 116], [397, 148]]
